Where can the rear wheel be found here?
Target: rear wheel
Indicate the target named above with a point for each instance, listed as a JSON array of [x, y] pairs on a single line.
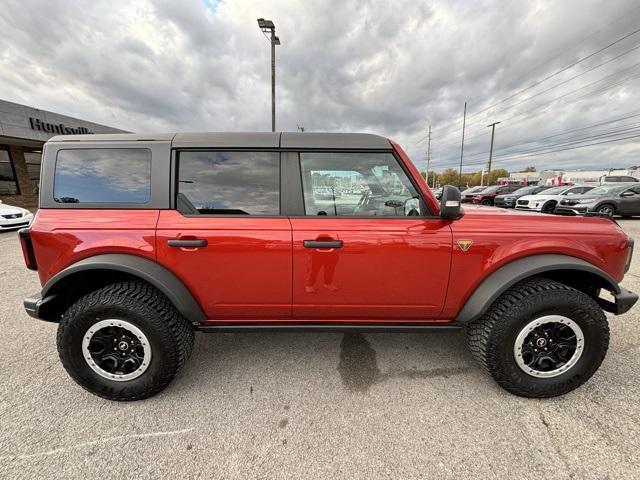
[[486, 201], [540, 339], [125, 341], [606, 209]]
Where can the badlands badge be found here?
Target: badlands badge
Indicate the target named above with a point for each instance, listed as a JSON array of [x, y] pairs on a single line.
[[465, 244]]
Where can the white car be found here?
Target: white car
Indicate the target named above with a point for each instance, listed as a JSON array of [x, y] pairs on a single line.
[[14, 217], [547, 200]]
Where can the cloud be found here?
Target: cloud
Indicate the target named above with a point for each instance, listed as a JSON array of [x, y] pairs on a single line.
[[384, 67]]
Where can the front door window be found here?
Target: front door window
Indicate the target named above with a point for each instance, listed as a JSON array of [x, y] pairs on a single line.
[[357, 184]]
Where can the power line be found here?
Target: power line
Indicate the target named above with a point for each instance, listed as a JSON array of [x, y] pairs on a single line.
[[518, 157], [564, 69]]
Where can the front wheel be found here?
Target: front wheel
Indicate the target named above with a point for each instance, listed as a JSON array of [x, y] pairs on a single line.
[[486, 202], [606, 209], [549, 207], [540, 339], [125, 341]]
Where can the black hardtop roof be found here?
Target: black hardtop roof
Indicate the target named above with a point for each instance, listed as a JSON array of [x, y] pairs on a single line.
[[294, 140]]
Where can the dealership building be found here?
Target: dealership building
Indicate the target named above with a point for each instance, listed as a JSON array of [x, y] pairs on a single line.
[[23, 132]]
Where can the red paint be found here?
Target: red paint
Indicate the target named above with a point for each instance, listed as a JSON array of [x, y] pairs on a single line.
[[243, 273], [388, 269]]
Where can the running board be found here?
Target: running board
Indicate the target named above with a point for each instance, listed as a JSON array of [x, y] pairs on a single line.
[[387, 328]]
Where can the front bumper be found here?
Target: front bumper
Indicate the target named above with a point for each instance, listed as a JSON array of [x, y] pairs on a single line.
[[36, 307], [571, 209], [13, 223], [498, 202], [622, 303], [529, 208]]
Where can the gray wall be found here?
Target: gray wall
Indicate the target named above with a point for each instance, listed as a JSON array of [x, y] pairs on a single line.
[[14, 122]]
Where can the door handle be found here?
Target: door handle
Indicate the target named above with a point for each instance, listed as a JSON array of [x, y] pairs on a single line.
[[176, 242], [322, 243]]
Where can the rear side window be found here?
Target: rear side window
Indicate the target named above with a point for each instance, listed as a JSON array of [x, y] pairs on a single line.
[[229, 183], [103, 175]]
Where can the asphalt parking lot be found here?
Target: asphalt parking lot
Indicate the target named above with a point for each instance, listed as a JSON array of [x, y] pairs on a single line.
[[259, 405]]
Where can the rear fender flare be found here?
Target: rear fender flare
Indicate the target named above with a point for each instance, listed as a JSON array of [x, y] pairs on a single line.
[[510, 274], [145, 269]]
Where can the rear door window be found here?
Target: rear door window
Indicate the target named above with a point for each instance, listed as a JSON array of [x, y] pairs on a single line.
[[103, 175], [229, 183]]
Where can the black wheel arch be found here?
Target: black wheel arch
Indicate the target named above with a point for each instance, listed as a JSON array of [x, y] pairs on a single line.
[[571, 271], [95, 272]]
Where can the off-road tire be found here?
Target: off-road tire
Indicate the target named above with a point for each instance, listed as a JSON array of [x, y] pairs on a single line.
[[492, 337], [549, 207], [170, 336]]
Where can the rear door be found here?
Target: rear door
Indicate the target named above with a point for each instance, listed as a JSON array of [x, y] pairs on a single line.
[[226, 239], [366, 247]]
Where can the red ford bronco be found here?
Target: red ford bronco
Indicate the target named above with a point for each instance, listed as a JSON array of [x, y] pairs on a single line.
[[141, 240]]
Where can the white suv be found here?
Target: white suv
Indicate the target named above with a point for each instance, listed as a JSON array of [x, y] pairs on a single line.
[[547, 200], [14, 217]]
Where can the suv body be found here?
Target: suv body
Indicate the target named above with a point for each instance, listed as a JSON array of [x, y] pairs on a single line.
[[488, 195], [606, 200], [508, 200], [467, 195], [617, 179], [547, 200], [140, 240]]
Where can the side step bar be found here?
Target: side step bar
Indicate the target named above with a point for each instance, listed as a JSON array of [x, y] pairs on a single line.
[[385, 328]]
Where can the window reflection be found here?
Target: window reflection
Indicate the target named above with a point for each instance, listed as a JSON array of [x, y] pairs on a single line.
[[103, 175], [232, 183]]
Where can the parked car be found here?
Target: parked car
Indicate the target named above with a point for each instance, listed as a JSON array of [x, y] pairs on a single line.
[[487, 196], [617, 179], [12, 218], [170, 234], [547, 200], [607, 200], [438, 191], [508, 200], [467, 194]]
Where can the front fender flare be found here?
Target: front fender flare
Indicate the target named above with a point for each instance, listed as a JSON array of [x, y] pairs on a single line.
[[510, 274], [143, 268]]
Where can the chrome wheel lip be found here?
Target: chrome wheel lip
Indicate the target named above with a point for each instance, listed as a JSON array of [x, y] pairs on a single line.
[[517, 347], [112, 322]]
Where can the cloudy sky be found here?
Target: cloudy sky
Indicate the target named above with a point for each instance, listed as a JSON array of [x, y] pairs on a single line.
[[557, 74]]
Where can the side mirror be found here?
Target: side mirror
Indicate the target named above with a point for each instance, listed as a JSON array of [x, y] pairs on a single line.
[[450, 203]]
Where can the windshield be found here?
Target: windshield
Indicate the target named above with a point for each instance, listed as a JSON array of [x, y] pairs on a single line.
[[524, 190], [608, 190], [555, 190]]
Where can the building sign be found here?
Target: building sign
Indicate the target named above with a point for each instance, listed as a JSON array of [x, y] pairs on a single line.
[[60, 128]]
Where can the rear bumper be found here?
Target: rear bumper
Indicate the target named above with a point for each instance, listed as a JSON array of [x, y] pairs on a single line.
[[35, 306]]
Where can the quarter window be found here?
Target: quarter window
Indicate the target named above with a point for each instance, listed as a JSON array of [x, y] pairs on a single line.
[[103, 175], [357, 184], [229, 183]]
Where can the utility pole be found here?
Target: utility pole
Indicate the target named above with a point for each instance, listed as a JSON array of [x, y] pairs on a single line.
[[464, 123], [493, 131], [268, 26], [428, 154]]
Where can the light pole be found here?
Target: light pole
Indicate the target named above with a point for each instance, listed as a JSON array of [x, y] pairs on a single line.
[[493, 131], [267, 26]]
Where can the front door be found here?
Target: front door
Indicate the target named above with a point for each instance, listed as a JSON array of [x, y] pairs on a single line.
[[366, 248], [226, 239], [629, 202]]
